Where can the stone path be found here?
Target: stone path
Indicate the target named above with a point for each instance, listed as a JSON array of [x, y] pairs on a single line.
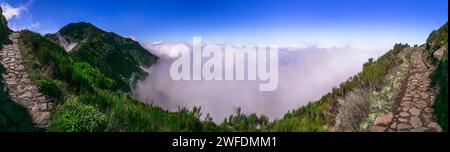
[[20, 87], [415, 110]]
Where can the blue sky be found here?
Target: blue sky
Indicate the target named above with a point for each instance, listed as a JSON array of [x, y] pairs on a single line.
[[360, 23]]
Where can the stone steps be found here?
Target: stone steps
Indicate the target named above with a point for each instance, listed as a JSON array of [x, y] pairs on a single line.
[[414, 113], [20, 87]]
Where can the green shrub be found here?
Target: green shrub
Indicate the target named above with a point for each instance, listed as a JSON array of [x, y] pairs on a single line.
[[85, 75], [74, 116], [51, 88], [300, 124], [242, 122], [438, 37], [4, 30], [440, 81], [373, 72], [312, 117]]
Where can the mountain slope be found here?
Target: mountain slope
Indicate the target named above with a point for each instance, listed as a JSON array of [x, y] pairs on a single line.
[[84, 98], [437, 44], [367, 101], [118, 58], [346, 106]]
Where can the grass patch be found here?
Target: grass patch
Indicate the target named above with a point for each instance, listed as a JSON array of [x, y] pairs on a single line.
[[310, 118], [52, 88], [382, 102], [74, 116]]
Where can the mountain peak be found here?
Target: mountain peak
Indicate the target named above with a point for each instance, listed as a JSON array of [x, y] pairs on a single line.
[[79, 31], [79, 25], [118, 57]]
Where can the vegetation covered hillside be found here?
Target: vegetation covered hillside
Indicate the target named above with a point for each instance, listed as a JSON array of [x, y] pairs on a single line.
[[321, 115], [356, 103], [437, 44], [4, 30], [118, 58], [85, 97]]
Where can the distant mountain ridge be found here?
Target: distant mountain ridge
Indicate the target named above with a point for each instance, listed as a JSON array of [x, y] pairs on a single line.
[[118, 57]]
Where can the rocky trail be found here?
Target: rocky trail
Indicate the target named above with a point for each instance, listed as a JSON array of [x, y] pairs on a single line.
[[21, 88], [414, 112]]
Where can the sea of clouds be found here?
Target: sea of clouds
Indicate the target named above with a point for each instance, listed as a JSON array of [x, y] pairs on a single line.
[[305, 74]]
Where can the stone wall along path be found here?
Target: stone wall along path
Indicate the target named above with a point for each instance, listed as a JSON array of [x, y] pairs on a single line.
[[21, 88]]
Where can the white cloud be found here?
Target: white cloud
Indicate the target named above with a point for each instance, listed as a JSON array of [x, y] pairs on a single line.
[[305, 74], [9, 11], [29, 26], [23, 19]]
